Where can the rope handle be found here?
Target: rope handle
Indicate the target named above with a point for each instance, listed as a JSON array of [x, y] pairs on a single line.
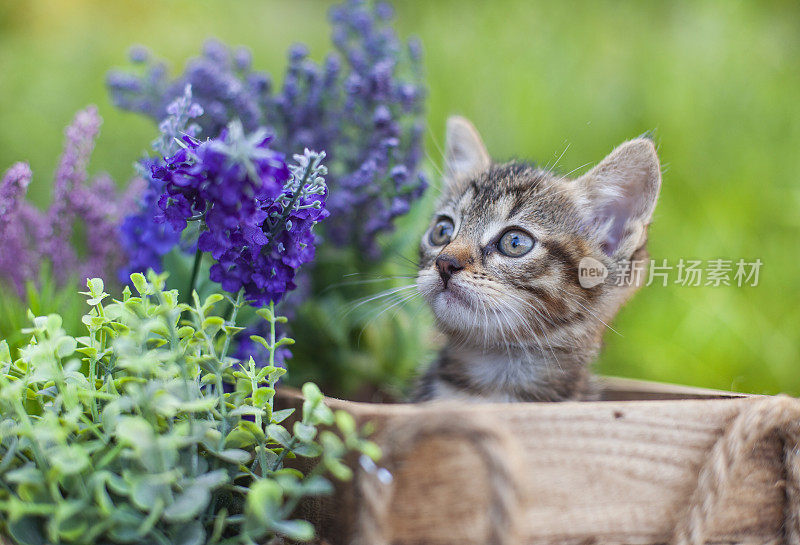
[[494, 447], [760, 420]]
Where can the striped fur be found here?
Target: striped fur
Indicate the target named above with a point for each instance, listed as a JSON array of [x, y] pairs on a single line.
[[523, 328]]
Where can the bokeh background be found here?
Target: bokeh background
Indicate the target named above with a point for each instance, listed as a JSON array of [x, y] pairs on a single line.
[[718, 83]]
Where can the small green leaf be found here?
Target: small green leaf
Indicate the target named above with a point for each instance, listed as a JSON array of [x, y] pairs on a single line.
[[305, 432], [187, 504], [190, 534], [5, 353], [239, 438], [251, 428], [263, 502], [269, 454], [69, 459], [308, 450], [311, 392], [234, 455], [211, 300], [66, 346], [26, 474], [247, 410], [297, 530], [213, 322], [346, 422], [276, 374], [265, 313], [317, 413], [280, 416], [370, 449], [262, 396], [95, 286], [138, 281], [212, 437], [200, 405], [147, 488], [71, 526], [338, 469], [279, 434], [212, 479], [260, 340], [26, 531], [232, 330], [316, 485], [94, 301], [88, 351]]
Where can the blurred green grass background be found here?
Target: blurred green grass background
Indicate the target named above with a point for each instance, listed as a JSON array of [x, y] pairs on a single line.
[[717, 81]]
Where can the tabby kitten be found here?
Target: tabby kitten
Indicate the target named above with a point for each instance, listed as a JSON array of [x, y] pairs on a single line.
[[500, 268]]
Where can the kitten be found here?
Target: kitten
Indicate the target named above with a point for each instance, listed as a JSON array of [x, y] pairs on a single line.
[[500, 268]]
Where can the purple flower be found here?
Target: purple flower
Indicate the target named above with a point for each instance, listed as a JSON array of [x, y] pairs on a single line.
[[22, 229], [102, 218], [144, 235], [30, 238], [70, 175], [220, 80], [145, 242], [323, 107], [13, 188], [363, 106], [257, 213]]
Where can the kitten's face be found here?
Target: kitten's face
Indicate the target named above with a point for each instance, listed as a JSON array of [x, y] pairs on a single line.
[[500, 259]]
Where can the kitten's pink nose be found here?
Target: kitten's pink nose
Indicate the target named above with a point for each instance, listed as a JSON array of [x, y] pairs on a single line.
[[448, 265]]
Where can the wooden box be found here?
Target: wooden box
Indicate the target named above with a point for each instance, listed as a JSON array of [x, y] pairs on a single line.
[[650, 463]]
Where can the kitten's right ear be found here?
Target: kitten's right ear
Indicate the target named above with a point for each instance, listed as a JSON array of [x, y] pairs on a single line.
[[465, 153]]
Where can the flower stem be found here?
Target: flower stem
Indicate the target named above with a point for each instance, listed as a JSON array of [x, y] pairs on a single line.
[[198, 258], [232, 321], [272, 321]]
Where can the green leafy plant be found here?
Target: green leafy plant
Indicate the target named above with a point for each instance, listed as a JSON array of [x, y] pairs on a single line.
[[42, 297], [146, 431]]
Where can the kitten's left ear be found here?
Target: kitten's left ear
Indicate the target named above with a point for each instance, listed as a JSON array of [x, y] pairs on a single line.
[[622, 191], [465, 153]]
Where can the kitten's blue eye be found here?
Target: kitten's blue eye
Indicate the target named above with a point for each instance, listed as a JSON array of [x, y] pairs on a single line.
[[441, 232], [515, 243]]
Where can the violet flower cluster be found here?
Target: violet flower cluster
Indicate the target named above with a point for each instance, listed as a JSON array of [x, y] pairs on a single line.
[[363, 105], [145, 240], [256, 212], [31, 238]]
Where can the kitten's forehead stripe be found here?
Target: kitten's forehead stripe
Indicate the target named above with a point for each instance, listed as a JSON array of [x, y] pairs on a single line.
[[508, 194]]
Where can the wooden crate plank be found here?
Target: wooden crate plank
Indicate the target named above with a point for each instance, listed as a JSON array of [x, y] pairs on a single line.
[[603, 472]]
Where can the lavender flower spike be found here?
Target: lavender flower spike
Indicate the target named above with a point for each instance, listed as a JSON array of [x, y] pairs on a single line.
[[12, 191], [71, 174], [21, 229]]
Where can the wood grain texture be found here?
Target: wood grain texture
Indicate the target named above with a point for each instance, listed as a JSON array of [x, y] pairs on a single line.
[[607, 472]]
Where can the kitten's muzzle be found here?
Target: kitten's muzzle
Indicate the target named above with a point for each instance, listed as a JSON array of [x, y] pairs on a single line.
[[448, 265]]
